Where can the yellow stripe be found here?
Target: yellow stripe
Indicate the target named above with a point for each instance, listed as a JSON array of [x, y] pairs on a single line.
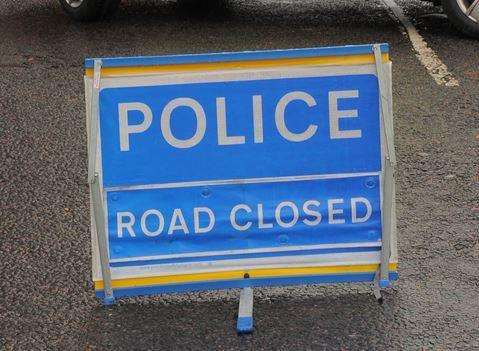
[[239, 274], [236, 65]]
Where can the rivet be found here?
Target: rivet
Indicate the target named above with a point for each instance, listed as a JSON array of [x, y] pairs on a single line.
[[370, 183], [205, 192]]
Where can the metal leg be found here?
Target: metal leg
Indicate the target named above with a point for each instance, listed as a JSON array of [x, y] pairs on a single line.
[[377, 289], [108, 299], [389, 164], [387, 225], [245, 312], [95, 186]]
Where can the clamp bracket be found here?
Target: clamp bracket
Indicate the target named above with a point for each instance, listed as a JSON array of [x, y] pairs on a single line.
[[245, 321]]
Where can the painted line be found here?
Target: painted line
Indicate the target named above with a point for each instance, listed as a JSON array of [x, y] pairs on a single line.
[[428, 58], [239, 181], [239, 274]]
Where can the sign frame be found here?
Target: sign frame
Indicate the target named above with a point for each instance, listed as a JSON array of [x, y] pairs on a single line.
[[107, 284]]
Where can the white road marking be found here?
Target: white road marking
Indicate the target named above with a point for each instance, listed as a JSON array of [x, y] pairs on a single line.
[[435, 67]]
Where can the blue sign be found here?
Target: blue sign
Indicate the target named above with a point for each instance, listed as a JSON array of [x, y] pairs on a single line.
[[267, 166]]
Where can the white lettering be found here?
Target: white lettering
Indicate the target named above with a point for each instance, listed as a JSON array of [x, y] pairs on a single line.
[[261, 223], [279, 116], [126, 129], [332, 211], [309, 212], [233, 217], [178, 215], [200, 123], [122, 225], [258, 118], [196, 219], [223, 138], [277, 214], [161, 222], [335, 115], [354, 214]]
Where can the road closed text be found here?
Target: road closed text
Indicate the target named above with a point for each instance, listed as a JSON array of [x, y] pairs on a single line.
[[243, 217]]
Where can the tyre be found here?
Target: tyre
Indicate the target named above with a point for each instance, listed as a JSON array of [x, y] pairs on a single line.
[[89, 10], [464, 15]]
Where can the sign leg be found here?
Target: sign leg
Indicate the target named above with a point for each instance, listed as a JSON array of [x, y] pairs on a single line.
[[389, 164], [377, 289], [387, 226], [245, 313], [108, 298], [95, 186]]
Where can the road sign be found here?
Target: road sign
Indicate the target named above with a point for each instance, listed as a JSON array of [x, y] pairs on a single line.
[[241, 169]]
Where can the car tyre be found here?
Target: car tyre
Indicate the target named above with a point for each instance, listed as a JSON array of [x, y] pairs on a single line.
[[464, 15], [89, 10]]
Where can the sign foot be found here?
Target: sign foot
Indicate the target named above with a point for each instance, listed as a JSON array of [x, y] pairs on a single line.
[[384, 283], [377, 294], [108, 300], [245, 321], [377, 285]]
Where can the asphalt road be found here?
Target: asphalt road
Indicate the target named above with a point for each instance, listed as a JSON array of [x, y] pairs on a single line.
[[46, 296]]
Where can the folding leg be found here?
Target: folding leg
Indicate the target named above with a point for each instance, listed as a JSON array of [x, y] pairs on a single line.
[[245, 312], [377, 288]]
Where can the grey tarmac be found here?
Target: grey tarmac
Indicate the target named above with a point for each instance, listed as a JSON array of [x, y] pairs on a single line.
[[46, 295]]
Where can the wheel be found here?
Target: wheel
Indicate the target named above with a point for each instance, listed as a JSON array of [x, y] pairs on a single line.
[[89, 10], [464, 15]]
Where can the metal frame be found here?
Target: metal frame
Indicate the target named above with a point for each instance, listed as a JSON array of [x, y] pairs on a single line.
[[95, 187], [389, 165]]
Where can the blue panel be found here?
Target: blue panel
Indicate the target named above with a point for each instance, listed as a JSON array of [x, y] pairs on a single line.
[[310, 226], [243, 283], [150, 159], [235, 56]]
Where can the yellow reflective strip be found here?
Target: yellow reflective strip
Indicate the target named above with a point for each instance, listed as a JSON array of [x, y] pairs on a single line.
[[239, 274], [236, 65]]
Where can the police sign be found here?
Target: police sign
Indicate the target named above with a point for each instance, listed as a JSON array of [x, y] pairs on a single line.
[[241, 170]]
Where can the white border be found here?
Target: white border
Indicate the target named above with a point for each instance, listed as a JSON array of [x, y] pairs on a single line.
[[236, 75], [240, 181], [249, 251], [323, 260]]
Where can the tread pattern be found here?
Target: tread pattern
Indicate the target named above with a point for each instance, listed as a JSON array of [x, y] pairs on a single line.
[[459, 19]]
